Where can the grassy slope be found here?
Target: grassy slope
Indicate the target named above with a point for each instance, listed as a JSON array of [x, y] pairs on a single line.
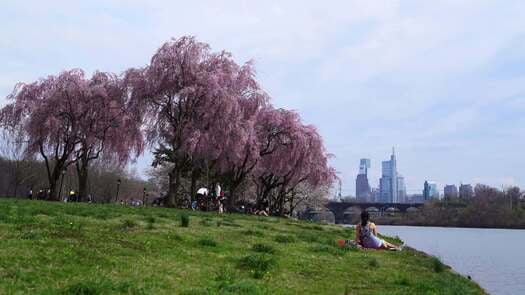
[[50, 248]]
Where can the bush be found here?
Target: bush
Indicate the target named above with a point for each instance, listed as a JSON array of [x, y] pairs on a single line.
[[208, 242], [284, 239], [184, 220], [257, 264], [437, 265], [263, 248]]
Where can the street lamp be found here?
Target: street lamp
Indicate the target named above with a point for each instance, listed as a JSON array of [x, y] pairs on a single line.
[[118, 187], [61, 182]]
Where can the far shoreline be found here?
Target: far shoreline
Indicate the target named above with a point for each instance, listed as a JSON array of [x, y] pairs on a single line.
[[436, 226]]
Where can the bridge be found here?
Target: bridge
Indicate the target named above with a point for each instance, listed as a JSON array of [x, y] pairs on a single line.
[[348, 212]]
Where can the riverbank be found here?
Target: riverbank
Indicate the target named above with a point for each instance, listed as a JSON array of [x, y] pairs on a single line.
[[50, 248]]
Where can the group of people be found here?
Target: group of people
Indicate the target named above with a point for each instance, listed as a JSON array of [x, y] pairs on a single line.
[[207, 200], [43, 194]]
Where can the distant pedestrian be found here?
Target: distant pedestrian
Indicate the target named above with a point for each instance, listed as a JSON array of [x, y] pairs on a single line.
[[202, 198], [218, 190], [30, 194]]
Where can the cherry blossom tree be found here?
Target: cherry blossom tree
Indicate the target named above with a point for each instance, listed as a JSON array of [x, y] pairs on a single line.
[[69, 119], [110, 126], [46, 113], [193, 110], [292, 154]]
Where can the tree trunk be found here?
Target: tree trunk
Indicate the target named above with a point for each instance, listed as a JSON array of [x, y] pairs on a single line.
[[281, 203], [173, 189], [231, 197], [82, 173], [193, 187], [53, 180]]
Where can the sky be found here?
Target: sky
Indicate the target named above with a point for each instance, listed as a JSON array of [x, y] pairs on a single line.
[[442, 81]]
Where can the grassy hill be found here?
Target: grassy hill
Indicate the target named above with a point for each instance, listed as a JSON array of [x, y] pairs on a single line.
[[58, 248]]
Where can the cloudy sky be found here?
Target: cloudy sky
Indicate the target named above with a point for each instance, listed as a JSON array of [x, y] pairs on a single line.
[[442, 81]]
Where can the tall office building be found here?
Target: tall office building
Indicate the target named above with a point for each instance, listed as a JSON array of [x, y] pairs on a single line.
[[401, 189], [430, 190], [466, 191], [388, 192], [362, 187], [450, 191]]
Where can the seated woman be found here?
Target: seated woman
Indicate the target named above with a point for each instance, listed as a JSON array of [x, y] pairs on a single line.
[[366, 235]]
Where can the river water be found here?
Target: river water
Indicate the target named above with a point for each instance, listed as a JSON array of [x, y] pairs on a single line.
[[495, 258]]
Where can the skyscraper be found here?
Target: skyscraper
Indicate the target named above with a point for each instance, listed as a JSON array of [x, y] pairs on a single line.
[[362, 187], [401, 189], [388, 191], [466, 191], [430, 190], [450, 191]]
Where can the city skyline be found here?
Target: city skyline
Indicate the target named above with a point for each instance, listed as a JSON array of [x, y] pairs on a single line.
[[399, 194]]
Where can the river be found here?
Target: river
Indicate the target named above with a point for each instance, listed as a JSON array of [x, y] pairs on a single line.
[[495, 258]]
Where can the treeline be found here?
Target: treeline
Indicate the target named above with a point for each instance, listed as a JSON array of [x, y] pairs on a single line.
[[488, 208], [21, 176], [205, 117]]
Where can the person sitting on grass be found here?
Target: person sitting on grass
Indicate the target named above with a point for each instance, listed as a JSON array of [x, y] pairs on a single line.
[[366, 235]]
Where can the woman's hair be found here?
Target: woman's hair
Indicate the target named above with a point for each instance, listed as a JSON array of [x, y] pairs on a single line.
[[364, 217]]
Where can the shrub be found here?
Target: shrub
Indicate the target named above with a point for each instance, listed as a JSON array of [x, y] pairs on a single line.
[[437, 265], [208, 242], [184, 220], [150, 219], [263, 248], [257, 264], [284, 239]]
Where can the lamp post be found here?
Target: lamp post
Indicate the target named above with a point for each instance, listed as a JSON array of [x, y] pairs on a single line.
[[118, 187], [144, 198], [61, 182]]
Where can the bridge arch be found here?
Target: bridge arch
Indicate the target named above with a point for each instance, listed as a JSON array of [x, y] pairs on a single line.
[[351, 215]]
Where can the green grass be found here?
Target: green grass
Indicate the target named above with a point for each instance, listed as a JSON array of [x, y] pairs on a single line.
[[58, 248]]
